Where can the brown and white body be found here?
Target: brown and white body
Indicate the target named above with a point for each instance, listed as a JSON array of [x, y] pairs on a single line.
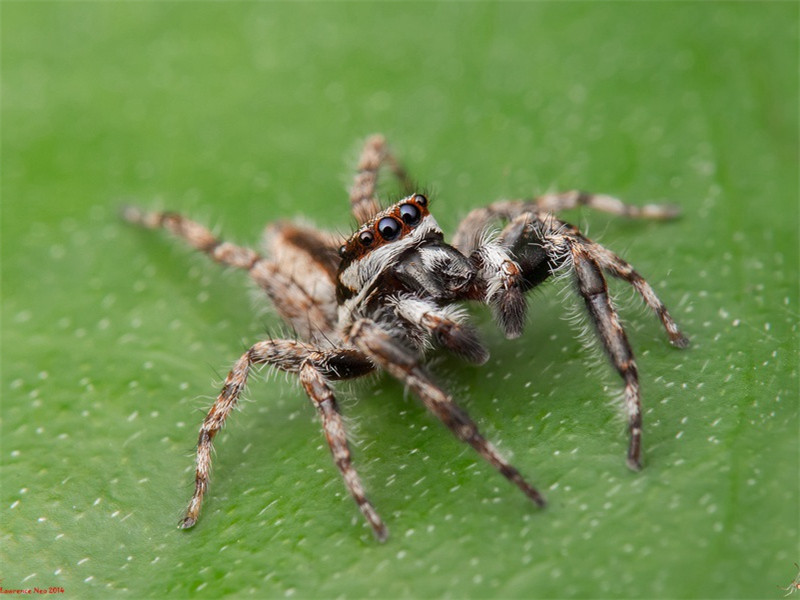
[[395, 288]]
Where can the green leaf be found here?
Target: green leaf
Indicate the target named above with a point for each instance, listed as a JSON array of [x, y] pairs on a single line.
[[114, 340]]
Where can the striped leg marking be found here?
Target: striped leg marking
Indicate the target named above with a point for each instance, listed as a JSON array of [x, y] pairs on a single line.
[[322, 397], [375, 154], [287, 355], [620, 269], [592, 286], [605, 203], [290, 298], [404, 365]]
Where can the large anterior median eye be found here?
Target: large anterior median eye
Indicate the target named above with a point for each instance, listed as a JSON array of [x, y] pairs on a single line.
[[389, 228], [410, 214]]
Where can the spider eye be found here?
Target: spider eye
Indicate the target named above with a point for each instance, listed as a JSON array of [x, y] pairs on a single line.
[[420, 199], [410, 214], [342, 250], [389, 228], [366, 238]]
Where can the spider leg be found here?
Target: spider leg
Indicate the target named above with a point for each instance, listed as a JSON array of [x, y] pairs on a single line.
[[307, 315], [605, 203], [621, 269], [323, 398], [445, 324], [403, 364], [592, 286], [472, 228], [310, 310], [375, 153], [544, 244], [528, 247], [313, 367], [196, 235]]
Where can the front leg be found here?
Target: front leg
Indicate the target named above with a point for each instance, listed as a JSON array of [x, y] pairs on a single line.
[[543, 245], [536, 241], [313, 367], [404, 365], [333, 425], [286, 355]]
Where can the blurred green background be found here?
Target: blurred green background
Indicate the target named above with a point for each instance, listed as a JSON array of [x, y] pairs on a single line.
[[114, 340]]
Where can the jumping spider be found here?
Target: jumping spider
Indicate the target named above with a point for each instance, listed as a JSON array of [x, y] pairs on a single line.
[[381, 298]]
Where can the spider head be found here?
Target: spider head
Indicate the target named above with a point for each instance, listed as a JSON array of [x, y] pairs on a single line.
[[388, 226], [402, 247]]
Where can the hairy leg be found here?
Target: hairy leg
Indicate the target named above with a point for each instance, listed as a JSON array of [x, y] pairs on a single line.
[[404, 365], [592, 287], [621, 269], [194, 234], [304, 308], [543, 244], [473, 226], [605, 203], [322, 397], [375, 154], [287, 355], [536, 240]]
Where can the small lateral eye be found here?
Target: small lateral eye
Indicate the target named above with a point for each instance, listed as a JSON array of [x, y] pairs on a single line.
[[365, 238], [389, 228], [420, 199], [342, 250], [410, 214]]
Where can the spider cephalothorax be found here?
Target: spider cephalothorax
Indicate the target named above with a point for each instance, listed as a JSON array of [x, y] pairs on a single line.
[[401, 249], [383, 242], [393, 289]]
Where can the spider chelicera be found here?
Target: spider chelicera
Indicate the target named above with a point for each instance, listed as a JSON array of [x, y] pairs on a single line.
[[394, 287]]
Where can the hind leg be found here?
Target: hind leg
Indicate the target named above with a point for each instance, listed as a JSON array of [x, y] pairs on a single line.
[[468, 236], [375, 154], [299, 279], [541, 244]]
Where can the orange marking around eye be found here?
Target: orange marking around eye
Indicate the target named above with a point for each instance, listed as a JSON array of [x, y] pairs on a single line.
[[355, 250]]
